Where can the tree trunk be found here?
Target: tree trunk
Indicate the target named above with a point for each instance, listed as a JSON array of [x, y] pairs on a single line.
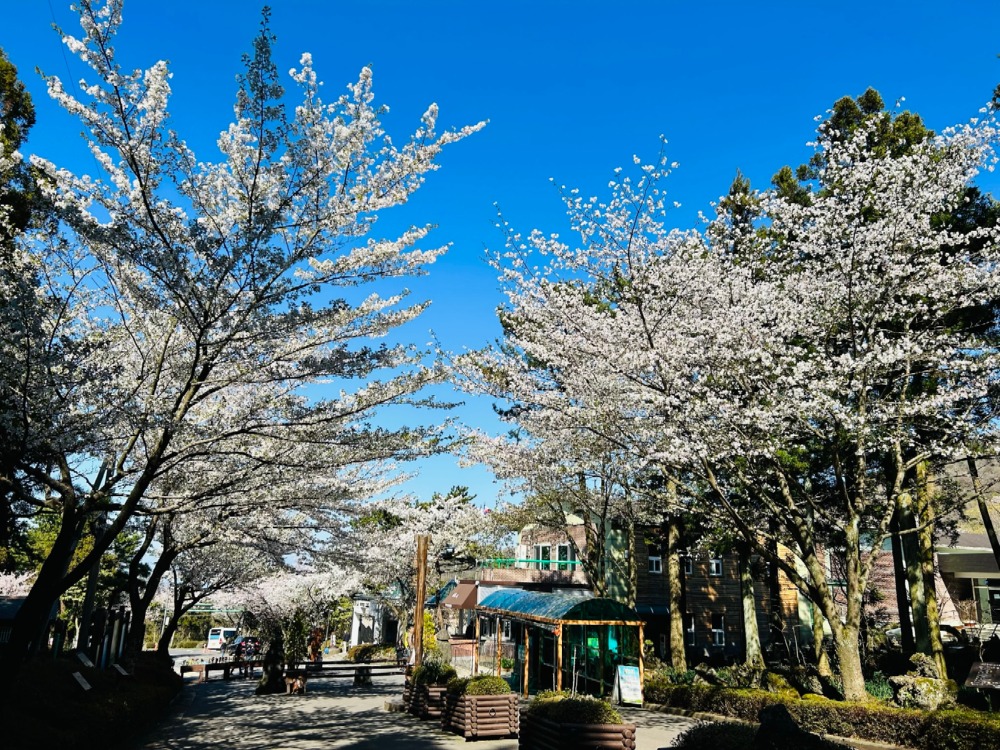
[[163, 644], [819, 635], [902, 589], [675, 587], [849, 656], [33, 616], [911, 553], [925, 546], [984, 511], [776, 617], [753, 653], [631, 566]]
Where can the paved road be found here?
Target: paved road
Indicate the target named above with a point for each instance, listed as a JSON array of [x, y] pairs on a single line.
[[333, 714]]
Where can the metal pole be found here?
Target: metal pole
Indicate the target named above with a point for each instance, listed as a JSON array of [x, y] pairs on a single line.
[[418, 616]]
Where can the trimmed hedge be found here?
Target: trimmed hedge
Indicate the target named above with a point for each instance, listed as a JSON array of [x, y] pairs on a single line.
[[481, 685], [433, 673], [956, 729], [365, 652], [563, 709]]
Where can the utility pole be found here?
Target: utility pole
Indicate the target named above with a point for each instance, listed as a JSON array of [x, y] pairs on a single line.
[[423, 540]]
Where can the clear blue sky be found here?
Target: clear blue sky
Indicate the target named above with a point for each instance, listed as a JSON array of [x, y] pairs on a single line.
[[571, 90]]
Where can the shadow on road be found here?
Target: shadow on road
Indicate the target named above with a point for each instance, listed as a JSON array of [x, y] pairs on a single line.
[[332, 714]]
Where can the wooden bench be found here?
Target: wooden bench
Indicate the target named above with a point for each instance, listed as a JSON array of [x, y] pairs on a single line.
[[345, 668], [226, 666]]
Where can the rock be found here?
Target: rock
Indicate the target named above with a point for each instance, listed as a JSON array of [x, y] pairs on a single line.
[[925, 693]]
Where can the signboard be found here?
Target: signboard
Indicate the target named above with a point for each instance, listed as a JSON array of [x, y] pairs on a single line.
[[984, 675], [628, 688]]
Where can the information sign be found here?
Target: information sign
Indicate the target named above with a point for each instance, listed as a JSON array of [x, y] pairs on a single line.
[[984, 675], [628, 688]]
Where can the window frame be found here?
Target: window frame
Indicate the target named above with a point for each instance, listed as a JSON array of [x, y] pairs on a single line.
[[563, 562], [718, 634], [539, 557]]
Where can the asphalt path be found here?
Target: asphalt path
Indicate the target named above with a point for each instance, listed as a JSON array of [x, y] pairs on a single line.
[[332, 714]]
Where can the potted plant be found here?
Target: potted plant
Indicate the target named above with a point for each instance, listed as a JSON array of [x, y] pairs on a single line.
[[482, 706], [430, 682], [556, 721]]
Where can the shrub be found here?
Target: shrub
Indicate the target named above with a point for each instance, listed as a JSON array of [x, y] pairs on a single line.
[[433, 672], [365, 652], [563, 709], [878, 687], [728, 736], [956, 729], [487, 685]]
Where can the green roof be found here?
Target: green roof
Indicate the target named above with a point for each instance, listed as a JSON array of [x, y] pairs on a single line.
[[560, 607]]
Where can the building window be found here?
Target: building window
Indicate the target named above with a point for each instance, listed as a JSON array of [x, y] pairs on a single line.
[[655, 559], [565, 555], [718, 630], [715, 567], [688, 565], [689, 630], [506, 630], [543, 553]]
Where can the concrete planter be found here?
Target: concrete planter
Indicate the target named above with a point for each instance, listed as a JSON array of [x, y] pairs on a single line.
[[475, 716], [541, 734]]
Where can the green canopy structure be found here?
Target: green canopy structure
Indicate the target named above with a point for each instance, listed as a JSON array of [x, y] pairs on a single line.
[[565, 640]]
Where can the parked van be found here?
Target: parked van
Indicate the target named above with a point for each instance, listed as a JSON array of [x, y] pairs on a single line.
[[215, 636]]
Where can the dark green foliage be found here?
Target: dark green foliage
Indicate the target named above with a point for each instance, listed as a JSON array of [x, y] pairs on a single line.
[[481, 685], [365, 652], [728, 736], [17, 115], [564, 709], [878, 687], [49, 710], [955, 729], [434, 673]]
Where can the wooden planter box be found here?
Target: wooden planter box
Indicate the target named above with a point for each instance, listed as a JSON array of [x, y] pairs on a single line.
[[542, 734], [408, 690], [475, 716], [427, 701]]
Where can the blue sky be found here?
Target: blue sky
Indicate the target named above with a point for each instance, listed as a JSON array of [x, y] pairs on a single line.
[[571, 90]]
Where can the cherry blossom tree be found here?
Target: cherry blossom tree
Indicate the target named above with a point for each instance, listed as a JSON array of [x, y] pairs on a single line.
[[380, 547], [14, 585], [717, 368], [211, 295]]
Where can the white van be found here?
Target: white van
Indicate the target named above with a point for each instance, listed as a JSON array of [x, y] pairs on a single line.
[[215, 636]]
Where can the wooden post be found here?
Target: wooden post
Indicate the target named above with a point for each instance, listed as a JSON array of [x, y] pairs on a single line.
[[499, 644], [418, 616], [526, 630], [559, 658], [641, 659], [475, 647]]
